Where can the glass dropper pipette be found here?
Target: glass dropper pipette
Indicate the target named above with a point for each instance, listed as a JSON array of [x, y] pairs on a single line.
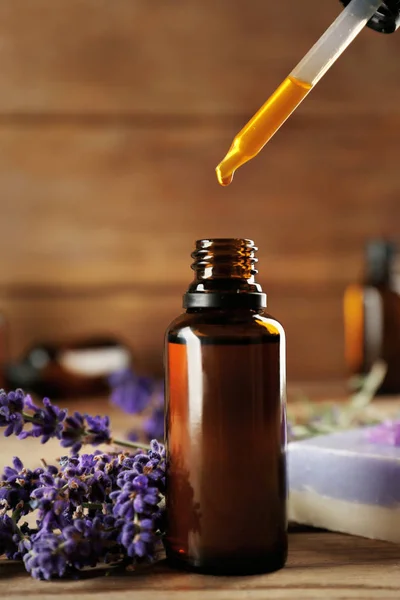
[[262, 126]]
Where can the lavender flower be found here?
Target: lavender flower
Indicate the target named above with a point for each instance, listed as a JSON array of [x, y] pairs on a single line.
[[140, 395], [154, 425], [95, 507], [11, 407], [52, 501], [17, 484], [138, 539], [131, 392], [157, 452], [79, 466], [90, 476], [18, 409], [45, 557], [84, 543], [151, 464], [137, 502], [47, 422], [136, 496], [84, 429], [8, 531], [387, 433]]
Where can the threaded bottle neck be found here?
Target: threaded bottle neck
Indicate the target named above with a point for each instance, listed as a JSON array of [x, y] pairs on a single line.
[[225, 272], [225, 259]]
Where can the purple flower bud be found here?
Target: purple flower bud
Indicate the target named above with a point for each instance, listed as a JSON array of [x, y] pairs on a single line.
[[7, 532], [17, 484], [84, 429], [130, 392], [386, 433], [46, 559], [11, 408], [139, 539], [47, 421]]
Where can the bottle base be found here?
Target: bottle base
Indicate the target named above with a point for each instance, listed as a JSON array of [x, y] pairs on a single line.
[[229, 567]]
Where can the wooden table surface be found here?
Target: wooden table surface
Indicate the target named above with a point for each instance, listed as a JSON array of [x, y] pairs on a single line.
[[321, 565]]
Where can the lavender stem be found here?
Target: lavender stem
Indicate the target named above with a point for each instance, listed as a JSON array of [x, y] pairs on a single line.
[[122, 443], [127, 444], [92, 505]]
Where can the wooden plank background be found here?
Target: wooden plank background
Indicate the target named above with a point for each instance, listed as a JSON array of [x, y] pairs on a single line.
[[113, 115]]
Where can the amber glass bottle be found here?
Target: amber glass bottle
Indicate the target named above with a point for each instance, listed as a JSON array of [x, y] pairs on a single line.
[[225, 419], [372, 316]]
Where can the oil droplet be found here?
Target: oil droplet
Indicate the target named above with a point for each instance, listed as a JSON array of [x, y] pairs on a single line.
[[223, 179]]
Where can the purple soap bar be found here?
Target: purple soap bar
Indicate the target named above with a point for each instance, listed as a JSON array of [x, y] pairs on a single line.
[[344, 482]]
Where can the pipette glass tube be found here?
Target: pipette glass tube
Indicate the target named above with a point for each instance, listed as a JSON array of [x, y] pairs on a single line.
[[292, 91]]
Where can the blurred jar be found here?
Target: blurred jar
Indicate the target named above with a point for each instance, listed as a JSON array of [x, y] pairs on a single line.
[[372, 316], [69, 369]]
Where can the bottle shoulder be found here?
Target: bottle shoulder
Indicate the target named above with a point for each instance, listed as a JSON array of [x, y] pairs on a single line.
[[223, 324]]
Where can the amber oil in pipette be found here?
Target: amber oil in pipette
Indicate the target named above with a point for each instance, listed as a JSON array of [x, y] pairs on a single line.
[[262, 126]]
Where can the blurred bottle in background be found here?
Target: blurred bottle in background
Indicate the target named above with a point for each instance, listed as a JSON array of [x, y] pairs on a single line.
[[69, 369], [372, 316]]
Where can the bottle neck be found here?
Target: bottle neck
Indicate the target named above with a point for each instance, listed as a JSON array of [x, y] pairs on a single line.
[[224, 276]]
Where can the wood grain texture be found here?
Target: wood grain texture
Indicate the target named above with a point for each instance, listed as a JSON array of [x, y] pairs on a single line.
[[112, 205], [105, 220], [320, 565], [97, 56], [113, 116]]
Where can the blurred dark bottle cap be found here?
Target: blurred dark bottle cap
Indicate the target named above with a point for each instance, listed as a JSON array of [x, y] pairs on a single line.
[[379, 257], [387, 17], [380, 251]]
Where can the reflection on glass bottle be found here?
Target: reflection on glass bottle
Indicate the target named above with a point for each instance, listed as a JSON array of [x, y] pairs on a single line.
[[372, 316]]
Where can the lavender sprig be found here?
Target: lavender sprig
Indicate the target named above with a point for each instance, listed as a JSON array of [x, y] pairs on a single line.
[[17, 410], [90, 508], [321, 419], [84, 543], [47, 422], [84, 429]]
